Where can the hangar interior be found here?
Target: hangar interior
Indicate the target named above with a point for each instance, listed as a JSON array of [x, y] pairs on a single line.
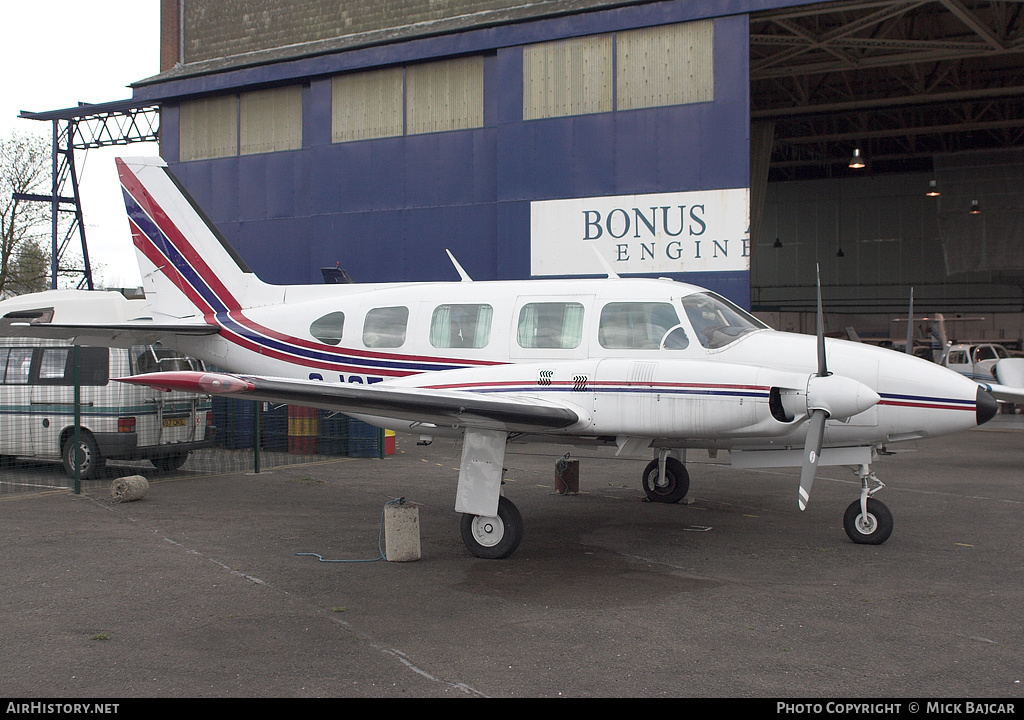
[[930, 94], [377, 136]]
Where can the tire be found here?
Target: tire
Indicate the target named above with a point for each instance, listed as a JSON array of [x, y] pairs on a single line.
[[167, 463], [875, 529], [90, 462], [493, 538], [677, 481]]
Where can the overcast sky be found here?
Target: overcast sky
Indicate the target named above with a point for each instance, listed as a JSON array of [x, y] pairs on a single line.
[[57, 53]]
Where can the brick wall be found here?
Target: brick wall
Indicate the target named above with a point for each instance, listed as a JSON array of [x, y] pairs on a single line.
[[170, 35]]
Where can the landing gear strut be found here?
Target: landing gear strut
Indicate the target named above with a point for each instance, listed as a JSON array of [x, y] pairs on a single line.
[[868, 521]]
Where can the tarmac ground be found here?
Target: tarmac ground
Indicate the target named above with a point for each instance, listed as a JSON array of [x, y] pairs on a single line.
[[201, 588]]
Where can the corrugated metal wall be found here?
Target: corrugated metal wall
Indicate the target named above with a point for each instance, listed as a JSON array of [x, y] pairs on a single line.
[[668, 65], [367, 105], [446, 95], [270, 120], [568, 77], [208, 128]]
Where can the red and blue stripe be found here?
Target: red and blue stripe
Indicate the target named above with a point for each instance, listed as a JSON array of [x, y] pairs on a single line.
[[157, 237]]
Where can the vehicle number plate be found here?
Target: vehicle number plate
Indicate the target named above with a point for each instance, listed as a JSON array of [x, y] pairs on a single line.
[[175, 422]]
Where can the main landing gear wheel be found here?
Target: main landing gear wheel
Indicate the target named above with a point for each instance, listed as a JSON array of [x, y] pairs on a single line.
[[675, 487], [871, 529], [495, 537]]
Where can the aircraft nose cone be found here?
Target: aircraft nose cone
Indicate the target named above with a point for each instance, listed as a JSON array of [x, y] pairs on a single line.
[[986, 406]]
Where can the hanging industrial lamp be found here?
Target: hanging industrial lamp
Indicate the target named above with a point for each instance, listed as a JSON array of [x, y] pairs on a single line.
[[857, 161]]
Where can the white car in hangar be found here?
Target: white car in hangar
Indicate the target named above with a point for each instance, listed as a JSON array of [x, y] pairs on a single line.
[[986, 363], [976, 360]]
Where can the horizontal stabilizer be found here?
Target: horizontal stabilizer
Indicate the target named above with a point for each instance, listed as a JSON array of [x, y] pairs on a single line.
[[121, 335], [92, 317]]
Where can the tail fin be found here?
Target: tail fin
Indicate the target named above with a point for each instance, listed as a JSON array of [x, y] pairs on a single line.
[[188, 268], [940, 341]]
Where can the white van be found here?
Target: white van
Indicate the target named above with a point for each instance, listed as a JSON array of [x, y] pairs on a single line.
[[118, 420]]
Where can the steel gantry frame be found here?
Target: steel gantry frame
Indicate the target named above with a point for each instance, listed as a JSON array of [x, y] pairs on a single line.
[[82, 128]]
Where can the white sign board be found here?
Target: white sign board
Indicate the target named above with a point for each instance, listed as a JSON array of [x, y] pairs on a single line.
[[701, 231]]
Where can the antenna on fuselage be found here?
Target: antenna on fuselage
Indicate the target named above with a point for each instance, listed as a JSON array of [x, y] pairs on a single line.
[[604, 263], [458, 268]]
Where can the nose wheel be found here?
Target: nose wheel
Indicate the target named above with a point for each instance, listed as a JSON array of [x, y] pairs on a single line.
[[868, 521], [872, 527]]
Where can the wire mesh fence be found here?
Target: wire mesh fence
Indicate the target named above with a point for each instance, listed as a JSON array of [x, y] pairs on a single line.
[[65, 420]]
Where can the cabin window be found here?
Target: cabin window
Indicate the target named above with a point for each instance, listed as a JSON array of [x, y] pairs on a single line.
[[51, 365], [716, 321], [461, 326], [639, 326], [18, 363], [958, 357], [95, 367], [54, 366], [385, 327], [988, 352], [328, 328], [550, 325], [57, 366]]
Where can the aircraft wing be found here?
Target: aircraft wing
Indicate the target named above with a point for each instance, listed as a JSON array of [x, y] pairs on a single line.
[[447, 408], [1005, 392], [1010, 374]]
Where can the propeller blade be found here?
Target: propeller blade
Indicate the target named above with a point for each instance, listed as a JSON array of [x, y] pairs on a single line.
[[812, 453], [816, 428], [822, 369], [910, 325]]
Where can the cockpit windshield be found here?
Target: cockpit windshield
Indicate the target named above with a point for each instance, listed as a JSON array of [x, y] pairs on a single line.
[[716, 321]]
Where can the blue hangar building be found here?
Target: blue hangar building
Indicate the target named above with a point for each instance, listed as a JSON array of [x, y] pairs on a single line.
[[516, 135], [711, 142]]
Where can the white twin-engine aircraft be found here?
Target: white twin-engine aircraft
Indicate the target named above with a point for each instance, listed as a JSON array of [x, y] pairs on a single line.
[[648, 366]]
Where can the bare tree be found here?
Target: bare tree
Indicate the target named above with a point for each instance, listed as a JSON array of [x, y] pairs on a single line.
[[25, 167]]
